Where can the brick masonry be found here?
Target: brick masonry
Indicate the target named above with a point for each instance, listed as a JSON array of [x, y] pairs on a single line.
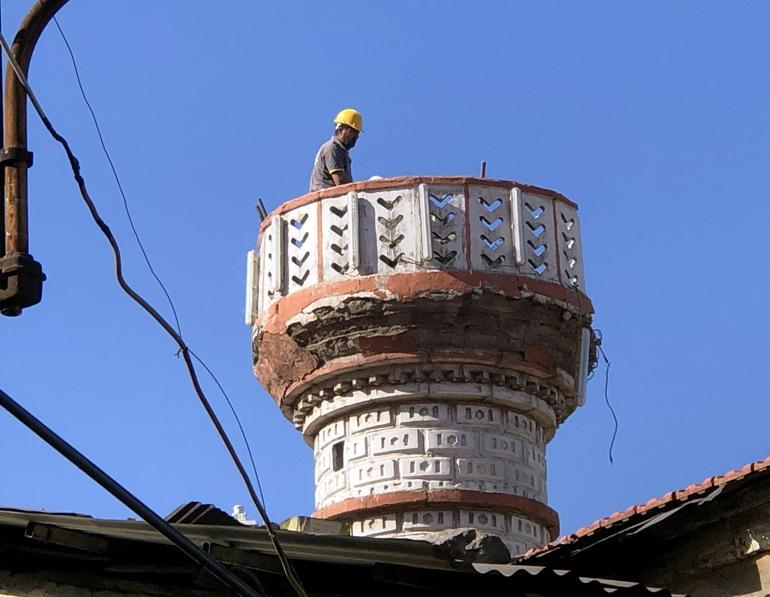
[[424, 336]]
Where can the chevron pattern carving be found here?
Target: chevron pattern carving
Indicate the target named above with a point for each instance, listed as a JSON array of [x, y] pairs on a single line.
[[340, 238], [445, 210], [493, 231], [422, 226], [535, 226], [568, 234], [300, 247], [390, 231]]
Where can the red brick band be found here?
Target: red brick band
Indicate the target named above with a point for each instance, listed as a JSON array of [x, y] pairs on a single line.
[[412, 284], [372, 505], [286, 368]]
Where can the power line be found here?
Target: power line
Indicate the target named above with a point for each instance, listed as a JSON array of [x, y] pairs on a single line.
[[183, 349], [115, 175], [144, 252], [124, 496], [598, 338], [607, 364], [237, 420]]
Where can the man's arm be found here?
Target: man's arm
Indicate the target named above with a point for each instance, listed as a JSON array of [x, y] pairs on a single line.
[[337, 177]]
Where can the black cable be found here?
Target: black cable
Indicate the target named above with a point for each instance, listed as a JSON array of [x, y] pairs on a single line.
[[125, 496], [115, 175], [237, 420], [607, 364], [183, 349], [598, 337], [144, 252]]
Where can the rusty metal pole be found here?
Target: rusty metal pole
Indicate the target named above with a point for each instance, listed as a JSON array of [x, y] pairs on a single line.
[[2, 170], [21, 277]]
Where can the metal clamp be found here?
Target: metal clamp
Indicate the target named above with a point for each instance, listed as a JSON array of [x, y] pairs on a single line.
[[12, 155]]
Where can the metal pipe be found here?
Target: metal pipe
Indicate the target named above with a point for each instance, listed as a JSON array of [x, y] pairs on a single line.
[[15, 125], [21, 277], [2, 170], [126, 497]]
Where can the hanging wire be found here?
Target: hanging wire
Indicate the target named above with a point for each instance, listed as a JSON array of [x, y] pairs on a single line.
[[607, 364], [237, 420], [117, 178], [79, 460], [144, 252], [598, 339], [183, 348]]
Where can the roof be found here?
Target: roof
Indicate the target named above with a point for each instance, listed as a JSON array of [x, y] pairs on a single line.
[[645, 514], [109, 554]]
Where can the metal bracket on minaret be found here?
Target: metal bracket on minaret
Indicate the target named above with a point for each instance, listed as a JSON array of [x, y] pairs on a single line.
[[354, 254], [517, 230], [276, 248], [582, 380], [426, 244]]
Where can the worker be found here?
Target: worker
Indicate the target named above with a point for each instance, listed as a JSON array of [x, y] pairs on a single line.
[[332, 162]]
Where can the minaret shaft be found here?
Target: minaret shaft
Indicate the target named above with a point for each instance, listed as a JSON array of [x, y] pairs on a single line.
[[429, 357]]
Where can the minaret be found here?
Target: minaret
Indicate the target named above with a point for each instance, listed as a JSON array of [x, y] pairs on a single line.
[[426, 335]]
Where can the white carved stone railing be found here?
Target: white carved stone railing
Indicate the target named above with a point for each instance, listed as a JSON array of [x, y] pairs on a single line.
[[416, 224]]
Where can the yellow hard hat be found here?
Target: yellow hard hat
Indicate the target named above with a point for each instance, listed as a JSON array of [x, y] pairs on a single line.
[[350, 117]]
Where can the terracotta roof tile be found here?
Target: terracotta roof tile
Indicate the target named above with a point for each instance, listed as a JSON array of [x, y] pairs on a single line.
[[668, 499], [582, 532]]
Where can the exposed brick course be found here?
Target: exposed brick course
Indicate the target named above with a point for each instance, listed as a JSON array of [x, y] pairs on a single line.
[[424, 334]]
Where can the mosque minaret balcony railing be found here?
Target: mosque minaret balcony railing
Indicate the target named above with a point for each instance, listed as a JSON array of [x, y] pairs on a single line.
[[418, 223]]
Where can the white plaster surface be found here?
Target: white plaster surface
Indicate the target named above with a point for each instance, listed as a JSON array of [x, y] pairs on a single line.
[[301, 248], [389, 232], [407, 446], [519, 534], [410, 428]]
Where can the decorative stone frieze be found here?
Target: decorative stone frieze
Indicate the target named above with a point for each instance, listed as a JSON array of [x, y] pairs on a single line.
[[427, 336]]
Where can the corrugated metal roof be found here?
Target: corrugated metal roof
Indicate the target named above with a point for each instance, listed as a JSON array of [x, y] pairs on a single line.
[[326, 560], [609, 586]]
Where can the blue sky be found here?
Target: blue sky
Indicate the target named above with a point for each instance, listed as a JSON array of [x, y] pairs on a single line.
[[652, 116]]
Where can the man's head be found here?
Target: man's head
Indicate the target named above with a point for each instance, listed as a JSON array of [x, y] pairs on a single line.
[[350, 124], [347, 135]]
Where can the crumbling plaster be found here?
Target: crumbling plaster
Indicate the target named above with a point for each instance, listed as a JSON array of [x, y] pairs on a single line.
[[425, 335]]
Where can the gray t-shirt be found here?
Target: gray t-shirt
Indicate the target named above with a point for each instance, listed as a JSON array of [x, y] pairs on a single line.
[[331, 157]]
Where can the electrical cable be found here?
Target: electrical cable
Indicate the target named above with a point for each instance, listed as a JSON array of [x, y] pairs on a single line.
[[183, 349], [607, 364], [115, 175], [598, 338], [144, 252], [126, 497], [237, 420]]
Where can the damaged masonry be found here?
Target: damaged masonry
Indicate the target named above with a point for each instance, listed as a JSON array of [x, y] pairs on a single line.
[[427, 336]]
